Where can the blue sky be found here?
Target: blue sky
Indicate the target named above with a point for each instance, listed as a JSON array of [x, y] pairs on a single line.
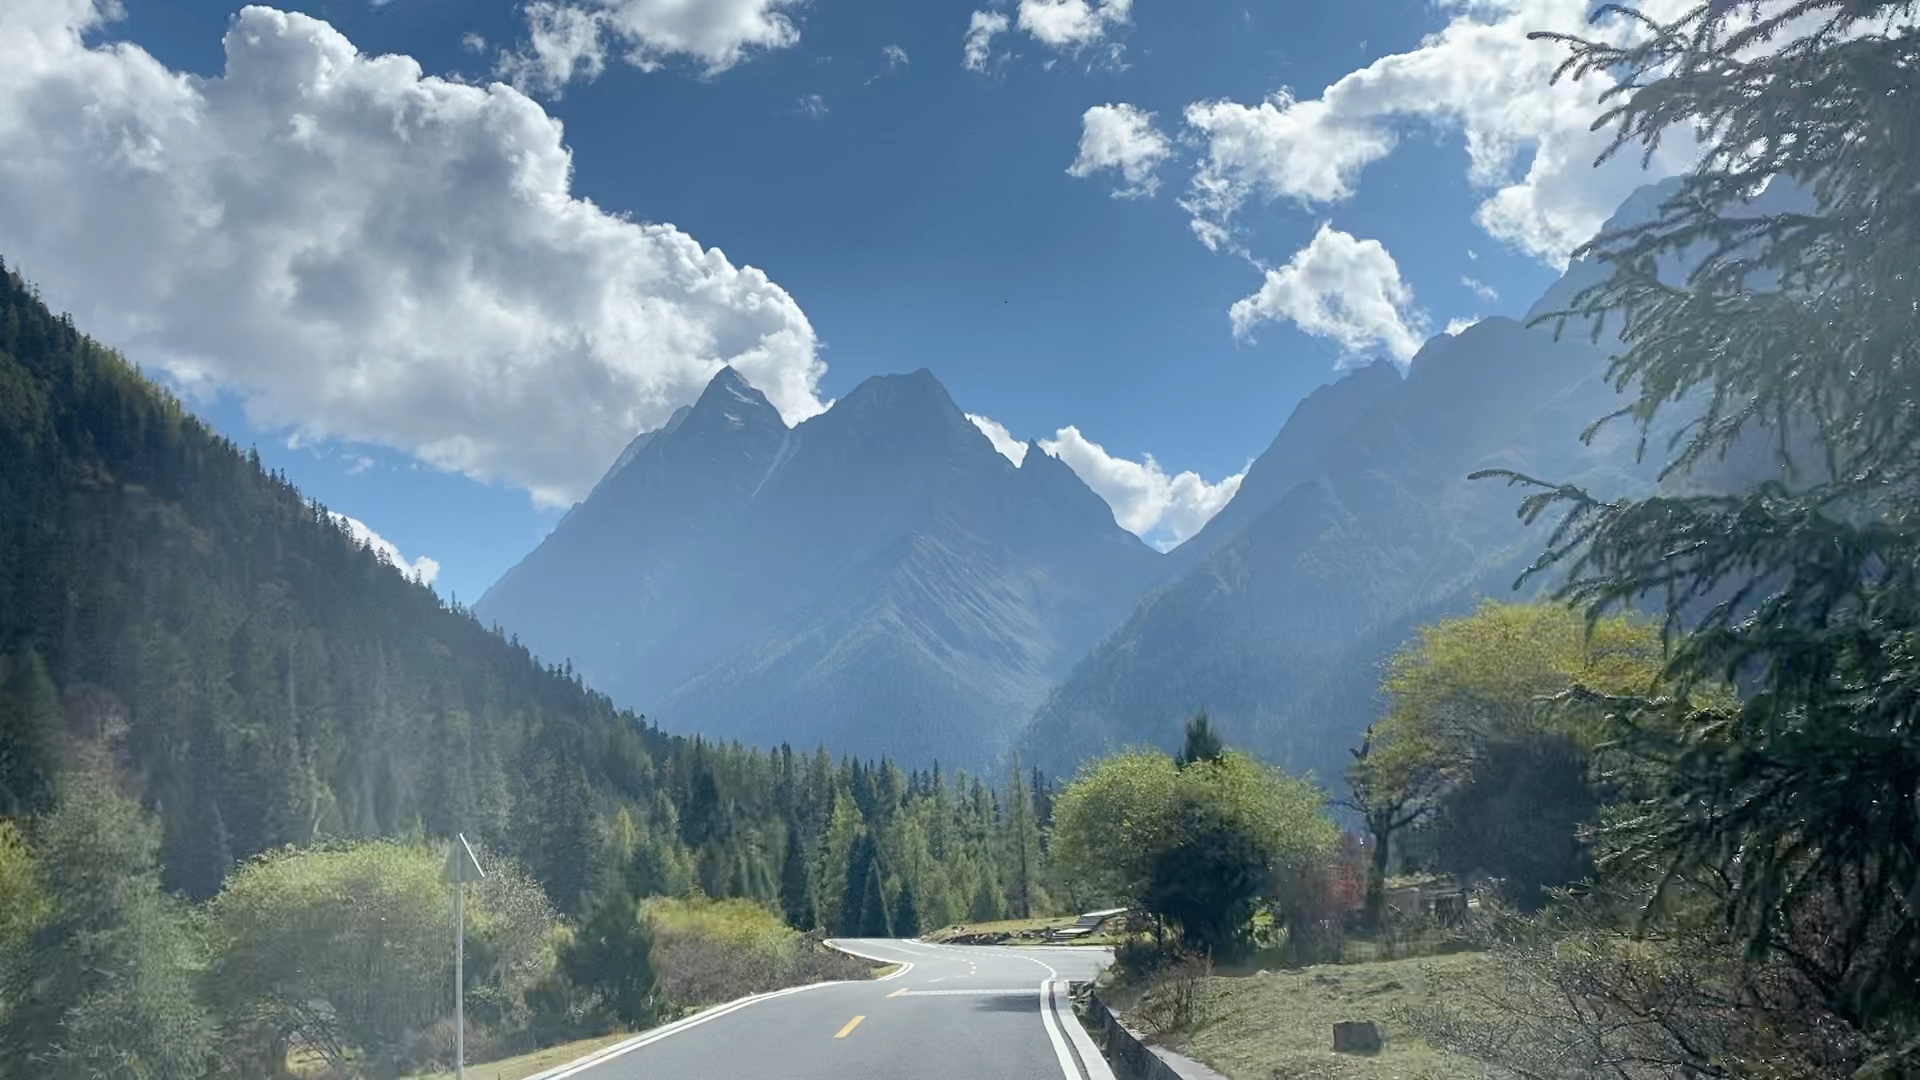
[[394, 289]]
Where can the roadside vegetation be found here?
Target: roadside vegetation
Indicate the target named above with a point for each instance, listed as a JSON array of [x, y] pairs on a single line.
[[1678, 793], [1276, 1022]]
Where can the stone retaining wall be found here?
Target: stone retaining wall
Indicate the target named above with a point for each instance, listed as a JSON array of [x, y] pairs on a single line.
[[1129, 1056]]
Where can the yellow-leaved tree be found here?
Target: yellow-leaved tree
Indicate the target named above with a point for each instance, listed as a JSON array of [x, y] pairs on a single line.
[[1497, 697]]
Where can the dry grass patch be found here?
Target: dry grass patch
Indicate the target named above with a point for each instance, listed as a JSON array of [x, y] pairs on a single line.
[[1280, 1024], [1009, 928]]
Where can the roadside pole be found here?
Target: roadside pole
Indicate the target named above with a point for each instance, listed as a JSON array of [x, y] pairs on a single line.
[[462, 867]]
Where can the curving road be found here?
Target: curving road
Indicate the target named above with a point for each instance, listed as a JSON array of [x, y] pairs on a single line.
[[953, 1013]]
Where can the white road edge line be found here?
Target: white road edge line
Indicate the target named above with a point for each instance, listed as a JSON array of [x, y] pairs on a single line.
[[647, 1038], [1052, 1024], [1056, 1025], [1090, 1055], [905, 965]]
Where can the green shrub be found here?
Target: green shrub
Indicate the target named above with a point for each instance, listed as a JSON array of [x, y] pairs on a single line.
[[345, 950], [708, 951]]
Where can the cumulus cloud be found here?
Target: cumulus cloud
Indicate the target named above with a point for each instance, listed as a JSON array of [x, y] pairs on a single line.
[[1342, 288], [1121, 138], [1479, 76], [977, 46], [567, 41], [366, 254], [894, 57], [1070, 25], [1064, 26], [422, 569], [1456, 325], [563, 43], [1161, 509], [1011, 448]]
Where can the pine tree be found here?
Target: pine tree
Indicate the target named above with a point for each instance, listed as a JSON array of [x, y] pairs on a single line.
[[111, 969], [32, 726], [1202, 743], [796, 899], [906, 913], [875, 920], [1022, 842], [1792, 329], [862, 865], [198, 854], [612, 957]]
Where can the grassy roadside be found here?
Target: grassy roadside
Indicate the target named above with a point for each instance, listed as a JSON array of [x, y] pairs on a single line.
[[1007, 928], [518, 1068], [1015, 932], [1280, 1023]]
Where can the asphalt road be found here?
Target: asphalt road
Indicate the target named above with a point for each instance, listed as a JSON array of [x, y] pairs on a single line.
[[958, 1012]]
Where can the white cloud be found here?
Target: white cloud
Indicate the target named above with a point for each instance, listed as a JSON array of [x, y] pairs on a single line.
[[1011, 448], [894, 57], [977, 46], [563, 44], [567, 41], [366, 254], [1070, 25], [1161, 509], [1480, 288], [473, 43], [1342, 288], [813, 106], [1064, 26], [1479, 76], [1456, 325], [1121, 138], [422, 569]]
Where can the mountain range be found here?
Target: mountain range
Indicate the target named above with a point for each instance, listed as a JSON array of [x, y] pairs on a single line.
[[879, 578]]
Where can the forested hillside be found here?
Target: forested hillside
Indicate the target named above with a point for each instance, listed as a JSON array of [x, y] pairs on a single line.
[[258, 679]]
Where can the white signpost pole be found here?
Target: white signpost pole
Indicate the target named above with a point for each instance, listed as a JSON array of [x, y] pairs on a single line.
[[460, 980], [462, 867]]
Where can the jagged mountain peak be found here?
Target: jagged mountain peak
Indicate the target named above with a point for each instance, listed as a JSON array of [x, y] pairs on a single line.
[[731, 401], [917, 390], [889, 422]]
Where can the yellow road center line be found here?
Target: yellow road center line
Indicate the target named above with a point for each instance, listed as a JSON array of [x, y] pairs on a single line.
[[851, 1024]]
